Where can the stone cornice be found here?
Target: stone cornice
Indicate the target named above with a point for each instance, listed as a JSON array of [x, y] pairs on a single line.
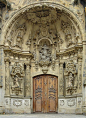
[[20, 52], [70, 50]]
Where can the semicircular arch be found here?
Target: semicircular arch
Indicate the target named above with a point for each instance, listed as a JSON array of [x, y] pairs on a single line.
[[23, 10]]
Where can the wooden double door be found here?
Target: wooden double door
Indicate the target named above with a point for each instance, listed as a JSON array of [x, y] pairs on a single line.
[[45, 93]]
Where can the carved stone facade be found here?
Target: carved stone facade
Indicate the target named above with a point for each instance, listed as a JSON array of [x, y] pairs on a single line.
[[42, 38], [17, 75], [70, 74]]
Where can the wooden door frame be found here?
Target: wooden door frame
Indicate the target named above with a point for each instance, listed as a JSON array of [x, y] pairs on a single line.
[[33, 91]]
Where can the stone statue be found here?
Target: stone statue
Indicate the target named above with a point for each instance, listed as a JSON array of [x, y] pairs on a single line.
[[16, 82], [45, 53], [19, 39]]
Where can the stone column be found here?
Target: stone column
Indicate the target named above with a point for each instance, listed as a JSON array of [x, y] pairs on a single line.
[[84, 77], [37, 56], [28, 81], [53, 56], [79, 85], [79, 73], [61, 80], [2, 76], [7, 77]]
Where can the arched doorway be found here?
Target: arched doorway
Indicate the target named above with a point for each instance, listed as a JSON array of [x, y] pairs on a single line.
[[45, 93], [38, 39]]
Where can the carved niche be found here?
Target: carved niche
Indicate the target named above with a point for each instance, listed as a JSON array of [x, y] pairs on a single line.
[[45, 57], [17, 75], [20, 33], [70, 74], [69, 40], [16, 36], [69, 32]]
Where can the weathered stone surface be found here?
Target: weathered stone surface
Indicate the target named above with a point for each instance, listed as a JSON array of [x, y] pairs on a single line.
[[42, 37]]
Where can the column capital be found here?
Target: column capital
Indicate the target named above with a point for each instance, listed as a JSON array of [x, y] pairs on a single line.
[[7, 59]]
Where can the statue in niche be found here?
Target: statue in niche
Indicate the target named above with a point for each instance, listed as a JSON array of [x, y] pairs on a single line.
[[69, 40], [21, 30], [70, 74], [17, 75], [16, 82], [45, 58], [45, 53], [19, 40]]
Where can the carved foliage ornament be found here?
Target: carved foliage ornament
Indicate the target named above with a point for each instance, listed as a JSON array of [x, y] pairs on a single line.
[[17, 75], [70, 73]]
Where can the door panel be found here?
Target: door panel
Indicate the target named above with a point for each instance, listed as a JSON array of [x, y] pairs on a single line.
[[45, 89]]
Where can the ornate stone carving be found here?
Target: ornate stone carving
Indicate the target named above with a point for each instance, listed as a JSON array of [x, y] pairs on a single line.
[[70, 74], [43, 14], [62, 102], [61, 80], [17, 103], [20, 33], [45, 58], [6, 83], [28, 43], [71, 102], [17, 74], [65, 26], [61, 85], [69, 40], [26, 103]]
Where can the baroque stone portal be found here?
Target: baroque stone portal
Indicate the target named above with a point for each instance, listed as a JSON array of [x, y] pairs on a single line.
[[45, 40]]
